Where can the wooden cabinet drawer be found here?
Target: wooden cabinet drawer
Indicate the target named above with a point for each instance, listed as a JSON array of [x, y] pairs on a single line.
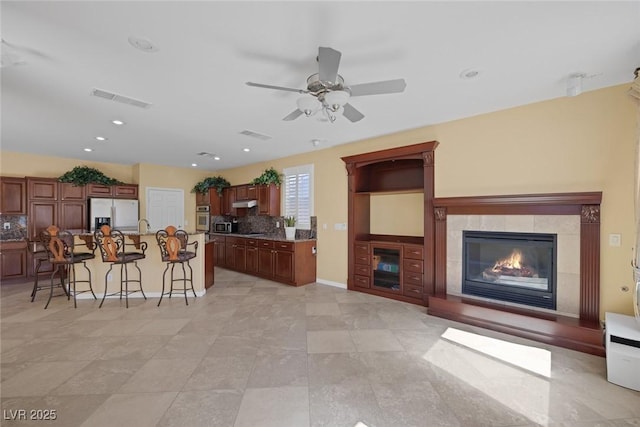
[[361, 249], [412, 265], [252, 242], [238, 241], [362, 270], [362, 281], [362, 259], [413, 252], [283, 246], [412, 291], [266, 244], [412, 278]]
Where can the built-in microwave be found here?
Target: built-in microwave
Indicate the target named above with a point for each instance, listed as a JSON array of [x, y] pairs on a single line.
[[202, 218], [225, 227]]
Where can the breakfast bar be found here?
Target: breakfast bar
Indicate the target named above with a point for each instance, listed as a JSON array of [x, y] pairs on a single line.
[[152, 266]]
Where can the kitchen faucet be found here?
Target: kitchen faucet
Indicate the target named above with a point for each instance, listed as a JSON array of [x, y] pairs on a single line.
[[147, 225]]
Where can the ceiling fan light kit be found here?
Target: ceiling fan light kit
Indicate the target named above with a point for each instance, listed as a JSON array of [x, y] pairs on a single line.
[[328, 92]]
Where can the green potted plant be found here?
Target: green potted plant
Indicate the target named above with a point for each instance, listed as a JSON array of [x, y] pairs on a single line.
[[269, 176], [216, 182], [290, 227], [83, 175]]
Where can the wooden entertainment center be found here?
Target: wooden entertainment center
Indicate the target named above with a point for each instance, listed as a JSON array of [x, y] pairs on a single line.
[[404, 265]]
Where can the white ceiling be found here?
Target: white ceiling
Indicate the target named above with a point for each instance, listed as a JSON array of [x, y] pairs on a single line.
[[207, 50]]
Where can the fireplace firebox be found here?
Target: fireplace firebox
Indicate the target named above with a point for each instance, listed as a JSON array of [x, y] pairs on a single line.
[[512, 267]]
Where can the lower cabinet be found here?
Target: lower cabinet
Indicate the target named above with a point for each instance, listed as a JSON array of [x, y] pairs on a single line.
[[293, 263], [218, 250], [390, 268], [13, 259], [209, 263]]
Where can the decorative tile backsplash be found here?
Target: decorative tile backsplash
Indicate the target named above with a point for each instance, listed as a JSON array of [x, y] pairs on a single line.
[[266, 225], [17, 227]]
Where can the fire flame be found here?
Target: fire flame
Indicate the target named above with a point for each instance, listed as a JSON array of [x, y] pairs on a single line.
[[512, 262]]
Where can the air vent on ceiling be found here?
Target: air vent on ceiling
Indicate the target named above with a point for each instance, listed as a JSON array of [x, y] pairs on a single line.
[[119, 98], [255, 135]]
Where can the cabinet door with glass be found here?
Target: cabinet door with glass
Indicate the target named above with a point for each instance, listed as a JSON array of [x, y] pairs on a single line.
[[386, 267]]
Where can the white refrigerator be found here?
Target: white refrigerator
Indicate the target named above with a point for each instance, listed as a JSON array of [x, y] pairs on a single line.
[[122, 213]]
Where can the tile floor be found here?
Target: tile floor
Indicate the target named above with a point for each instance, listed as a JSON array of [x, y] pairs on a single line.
[[257, 353]]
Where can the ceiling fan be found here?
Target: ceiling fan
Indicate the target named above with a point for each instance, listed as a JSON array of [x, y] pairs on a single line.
[[328, 92]]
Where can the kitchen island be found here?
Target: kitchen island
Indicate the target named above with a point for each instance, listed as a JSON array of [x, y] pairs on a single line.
[[151, 266]]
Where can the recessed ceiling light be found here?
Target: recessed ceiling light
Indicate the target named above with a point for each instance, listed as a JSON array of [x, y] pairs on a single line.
[[469, 73], [88, 149], [216, 158], [194, 164], [117, 122], [315, 142], [101, 138], [142, 44], [246, 150]]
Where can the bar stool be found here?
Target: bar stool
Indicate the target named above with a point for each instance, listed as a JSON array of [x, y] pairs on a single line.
[[60, 248], [39, 255], [173, 245], [114, 250]]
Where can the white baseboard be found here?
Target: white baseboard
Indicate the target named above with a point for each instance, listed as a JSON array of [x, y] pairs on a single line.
[[331, 283]]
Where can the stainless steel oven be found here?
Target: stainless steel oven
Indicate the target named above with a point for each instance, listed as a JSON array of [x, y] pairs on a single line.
[[203, 217]]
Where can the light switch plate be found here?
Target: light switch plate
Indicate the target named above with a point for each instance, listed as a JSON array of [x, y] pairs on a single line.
[[7, 226]]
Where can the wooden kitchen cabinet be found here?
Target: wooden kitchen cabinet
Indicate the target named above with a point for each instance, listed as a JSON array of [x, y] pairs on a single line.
[[120, 191], [251, 256], [70, 192], [202, 199], [235, 253], [219, 250], [228, 197], [42, 214], [42, 188], [209, 263], [13, 260], [268, 197], [13, 196], [72, 215]]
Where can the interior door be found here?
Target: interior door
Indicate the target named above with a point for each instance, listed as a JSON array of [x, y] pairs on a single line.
[[165, 206]]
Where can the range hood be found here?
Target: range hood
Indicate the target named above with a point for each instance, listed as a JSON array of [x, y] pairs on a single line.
[[245, 204]]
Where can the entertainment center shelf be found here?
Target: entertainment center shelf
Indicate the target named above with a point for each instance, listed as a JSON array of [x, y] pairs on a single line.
[[394, 266]]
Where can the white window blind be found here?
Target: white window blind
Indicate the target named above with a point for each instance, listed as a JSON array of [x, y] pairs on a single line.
[[298, 194]]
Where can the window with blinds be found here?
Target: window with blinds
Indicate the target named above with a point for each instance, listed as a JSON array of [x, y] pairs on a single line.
[[298, 194]]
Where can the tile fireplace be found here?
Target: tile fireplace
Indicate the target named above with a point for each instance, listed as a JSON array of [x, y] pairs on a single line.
[[514, 267]]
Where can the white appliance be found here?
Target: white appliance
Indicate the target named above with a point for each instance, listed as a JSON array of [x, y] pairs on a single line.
[[202, 218], [123, 213], [623, 350]]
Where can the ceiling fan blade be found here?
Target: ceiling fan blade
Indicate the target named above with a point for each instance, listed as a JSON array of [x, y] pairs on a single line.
[[328, 63], [293, 115], [378, 88], [276, 87], [351, 113]]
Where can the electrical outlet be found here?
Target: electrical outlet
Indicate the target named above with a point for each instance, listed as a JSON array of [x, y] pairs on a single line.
[[7, 226], [614, 240], [277, 224]]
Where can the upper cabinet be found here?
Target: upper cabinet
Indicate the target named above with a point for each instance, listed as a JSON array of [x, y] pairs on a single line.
[[246, 192], [268, 200], [70, 192], [121, 191], [13, 196], [42, 188]]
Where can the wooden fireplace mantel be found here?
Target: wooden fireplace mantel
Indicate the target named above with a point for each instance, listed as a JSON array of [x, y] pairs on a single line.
[[582, 334]]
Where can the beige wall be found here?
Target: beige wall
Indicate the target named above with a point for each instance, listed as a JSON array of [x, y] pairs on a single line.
[[584, 143]]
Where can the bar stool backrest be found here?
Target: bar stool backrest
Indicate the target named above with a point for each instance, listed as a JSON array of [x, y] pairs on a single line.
[[110, 242], [57, 243], [171, 242]]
